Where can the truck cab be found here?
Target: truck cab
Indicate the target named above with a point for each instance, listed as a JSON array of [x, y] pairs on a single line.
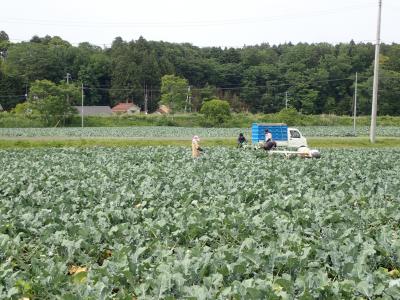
[[283, 135], [296, 139]]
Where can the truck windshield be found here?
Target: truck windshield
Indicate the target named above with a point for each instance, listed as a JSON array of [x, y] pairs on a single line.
[[294, 134]]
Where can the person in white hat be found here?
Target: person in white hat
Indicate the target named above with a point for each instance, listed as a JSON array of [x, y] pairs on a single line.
[[269, 143]]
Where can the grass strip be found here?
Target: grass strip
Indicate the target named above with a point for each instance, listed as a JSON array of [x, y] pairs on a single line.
[[315, 143], [353, 142]]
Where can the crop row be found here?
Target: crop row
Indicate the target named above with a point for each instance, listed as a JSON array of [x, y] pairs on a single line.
[[181, 132], [150, 223]]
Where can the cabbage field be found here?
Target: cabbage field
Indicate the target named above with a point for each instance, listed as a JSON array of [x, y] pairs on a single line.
[[183, 132], [153, 223]]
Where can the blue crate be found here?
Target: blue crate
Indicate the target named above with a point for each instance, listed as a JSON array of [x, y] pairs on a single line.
[[279, 132]]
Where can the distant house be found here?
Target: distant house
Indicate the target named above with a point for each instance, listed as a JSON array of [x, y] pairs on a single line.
[[94, 110], [126, 108], [163, 110]]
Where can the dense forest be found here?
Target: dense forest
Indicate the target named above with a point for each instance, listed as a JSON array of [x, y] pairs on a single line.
[[314, 78]]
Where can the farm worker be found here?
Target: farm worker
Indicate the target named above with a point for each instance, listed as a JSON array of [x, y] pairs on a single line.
[[196, 149], [268, 136], [269, 143], [241, 140], [304, 152]]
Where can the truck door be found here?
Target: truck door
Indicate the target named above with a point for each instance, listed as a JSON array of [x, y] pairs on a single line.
[[296, 140]]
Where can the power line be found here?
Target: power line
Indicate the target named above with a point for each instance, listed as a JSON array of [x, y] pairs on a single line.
[[234, 87], [198, 23], [237, 87]]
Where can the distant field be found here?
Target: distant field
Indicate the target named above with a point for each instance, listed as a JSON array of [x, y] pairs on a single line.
[[150, 132], [237, 120]]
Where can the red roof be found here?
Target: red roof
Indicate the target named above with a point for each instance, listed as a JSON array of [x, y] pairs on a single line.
[[122, 107]]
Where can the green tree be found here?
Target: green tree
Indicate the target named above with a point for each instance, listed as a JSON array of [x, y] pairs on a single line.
[[256, 80], [208, 92], [95, 74], [12, 90], [53, 102], [318, 77], [217, 111], [50, 59], [393, 61], [174, 92], [125, 72], [4, 36], [4, 44], [54, 110], [25, 108], [289, 116], [257, 55], [272, 102], [43, 88], [389, 93], [200, 95]]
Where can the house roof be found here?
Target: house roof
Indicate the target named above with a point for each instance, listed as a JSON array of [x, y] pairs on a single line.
[[94, 110], [163, 109], [124, 107]]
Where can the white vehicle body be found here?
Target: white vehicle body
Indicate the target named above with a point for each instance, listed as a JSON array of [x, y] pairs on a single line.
[[295, 139]]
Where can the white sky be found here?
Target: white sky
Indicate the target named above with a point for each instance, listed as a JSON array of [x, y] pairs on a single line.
[[223, 23]]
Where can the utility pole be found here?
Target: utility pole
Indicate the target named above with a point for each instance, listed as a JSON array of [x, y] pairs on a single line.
[[26, 92], [145, 99], [151, 93], [3, 55], [374, 110], [188, 100], [355, 106], [68, 77], [286, 99], [82, 105]]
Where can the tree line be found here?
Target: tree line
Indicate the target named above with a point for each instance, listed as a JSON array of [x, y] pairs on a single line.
[[312, 78]]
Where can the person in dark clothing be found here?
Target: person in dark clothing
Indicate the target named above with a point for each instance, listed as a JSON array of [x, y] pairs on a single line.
[[269, 143], [241, 140]]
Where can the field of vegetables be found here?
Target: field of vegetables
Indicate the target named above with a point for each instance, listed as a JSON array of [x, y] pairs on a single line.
[[152, 223], [183, 132]]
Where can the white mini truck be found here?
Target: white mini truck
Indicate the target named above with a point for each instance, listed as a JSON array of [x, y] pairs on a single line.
[[290, 139]]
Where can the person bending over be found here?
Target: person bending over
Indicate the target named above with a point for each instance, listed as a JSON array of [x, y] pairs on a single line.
[[241, 140]]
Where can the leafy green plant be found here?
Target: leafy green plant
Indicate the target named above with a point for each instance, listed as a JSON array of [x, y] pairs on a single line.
[[181, 132], [289, 116], [174, 92], [216, 111], [152, 223]]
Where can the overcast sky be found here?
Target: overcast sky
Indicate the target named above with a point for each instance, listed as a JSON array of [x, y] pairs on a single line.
[[202, 22]]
